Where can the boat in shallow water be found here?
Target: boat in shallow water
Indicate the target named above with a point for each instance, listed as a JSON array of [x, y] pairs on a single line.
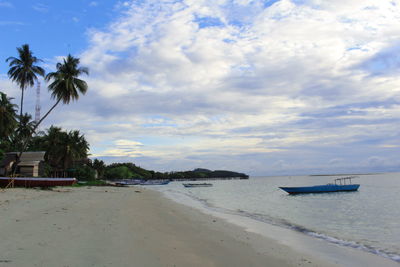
[[35, 182], [197, 185], [154, 182], [341, 185]]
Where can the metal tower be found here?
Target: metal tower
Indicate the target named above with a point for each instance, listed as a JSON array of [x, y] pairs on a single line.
[[37, 107]]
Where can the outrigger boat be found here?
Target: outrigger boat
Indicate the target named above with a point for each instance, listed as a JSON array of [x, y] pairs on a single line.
[[154, 182], [127, 182], [341, 185], [197, 185]]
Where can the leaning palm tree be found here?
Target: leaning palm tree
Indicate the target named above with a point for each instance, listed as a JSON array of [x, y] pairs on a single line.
[[23, 70], [65, 86]]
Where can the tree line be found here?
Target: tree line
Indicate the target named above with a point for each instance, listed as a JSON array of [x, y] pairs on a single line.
[[131, 171]]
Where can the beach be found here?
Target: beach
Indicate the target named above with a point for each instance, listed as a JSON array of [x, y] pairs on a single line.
[[135, 226]]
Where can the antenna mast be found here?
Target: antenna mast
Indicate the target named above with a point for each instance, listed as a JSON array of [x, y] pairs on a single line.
[[37, 107]]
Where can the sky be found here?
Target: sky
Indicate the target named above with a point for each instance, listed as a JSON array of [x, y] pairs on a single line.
[[260, 87]]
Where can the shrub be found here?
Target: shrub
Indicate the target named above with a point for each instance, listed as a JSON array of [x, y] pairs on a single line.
[[85, 173], [121, 172]]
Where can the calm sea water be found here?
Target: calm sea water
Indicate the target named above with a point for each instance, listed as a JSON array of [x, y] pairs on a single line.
[[368, 219]]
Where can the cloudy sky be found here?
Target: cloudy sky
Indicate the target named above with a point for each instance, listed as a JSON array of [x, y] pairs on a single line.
[[261, 87]]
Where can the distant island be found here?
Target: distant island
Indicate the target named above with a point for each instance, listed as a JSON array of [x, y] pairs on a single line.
[[116, 171], [200, 173]]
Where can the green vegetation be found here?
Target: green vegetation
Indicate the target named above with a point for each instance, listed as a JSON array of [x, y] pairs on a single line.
[[85, 173], [206, 174], [8, 121], [120, 172], [130, 170], [65, 86]]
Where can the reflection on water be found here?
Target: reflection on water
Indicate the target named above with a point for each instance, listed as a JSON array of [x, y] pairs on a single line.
[[368, 219]]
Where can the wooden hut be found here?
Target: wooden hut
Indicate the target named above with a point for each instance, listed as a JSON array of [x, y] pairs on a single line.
[[30, 164]]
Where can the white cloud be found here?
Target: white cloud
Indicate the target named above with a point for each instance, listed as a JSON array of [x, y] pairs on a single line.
[[290, 77], [41, 7], [288, 86]]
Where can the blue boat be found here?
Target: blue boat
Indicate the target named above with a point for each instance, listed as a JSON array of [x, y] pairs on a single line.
[[154, 182], [341, 185], [197, 185], [127, 182]]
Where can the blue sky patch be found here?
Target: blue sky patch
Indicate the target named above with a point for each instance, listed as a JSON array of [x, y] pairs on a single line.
[[205, 22]]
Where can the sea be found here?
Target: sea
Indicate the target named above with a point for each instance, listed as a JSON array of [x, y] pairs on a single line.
[[368, 219]]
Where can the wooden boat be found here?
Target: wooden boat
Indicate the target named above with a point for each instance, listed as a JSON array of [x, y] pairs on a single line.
[[35, 182], [197, 185], [341, 185], [154, 182], [127, 182]]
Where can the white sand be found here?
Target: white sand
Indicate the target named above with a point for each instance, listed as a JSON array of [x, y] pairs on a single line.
[[108, 226]]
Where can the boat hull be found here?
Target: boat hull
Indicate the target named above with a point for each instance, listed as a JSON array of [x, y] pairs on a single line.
[[197, 185], [150, 182], [320, 189], [36, 182]]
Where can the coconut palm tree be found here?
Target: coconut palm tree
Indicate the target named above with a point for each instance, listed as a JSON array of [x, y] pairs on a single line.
[[26, 126], [8, 117], [24, 130], [23, 70], [100, 167], [65, 85], [52, 144], [75, 147]]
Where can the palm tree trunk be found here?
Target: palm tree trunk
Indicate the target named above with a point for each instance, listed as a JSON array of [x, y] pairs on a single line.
[[48, 112], [21, 106], [26, 141]]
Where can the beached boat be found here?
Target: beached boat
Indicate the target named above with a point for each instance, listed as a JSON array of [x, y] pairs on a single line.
[[197, 185], [127, 182], [341, 185], [154, 182], [35, 182]]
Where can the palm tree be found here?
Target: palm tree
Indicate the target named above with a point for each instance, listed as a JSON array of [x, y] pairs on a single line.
[[53, 145], [64, 148], [24, 130], [100, 167], [23, 70], [75, 147], [26, 127], [65, 86], [8, 117]]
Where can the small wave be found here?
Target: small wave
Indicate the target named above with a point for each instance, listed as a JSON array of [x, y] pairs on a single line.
[[286, 224]]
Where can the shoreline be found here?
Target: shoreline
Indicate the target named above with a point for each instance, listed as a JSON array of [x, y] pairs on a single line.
[[134, 226], [328, 249]]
